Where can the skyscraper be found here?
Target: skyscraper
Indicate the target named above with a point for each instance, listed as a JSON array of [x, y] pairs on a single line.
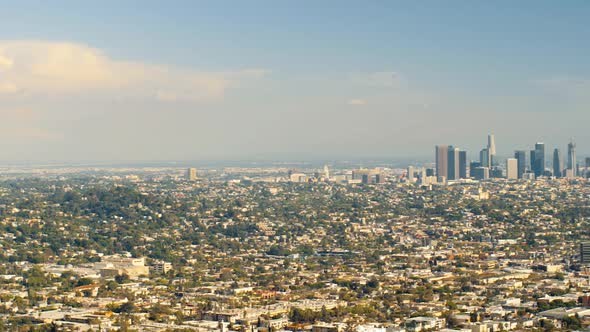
[[512, 168], [557, 164], [492, 148], [463, 164], [571, 157], [442, 155], [453, 163], [480, 173], [472, 166], [521, 158], [485, 158], [538, 159], [411, 173]]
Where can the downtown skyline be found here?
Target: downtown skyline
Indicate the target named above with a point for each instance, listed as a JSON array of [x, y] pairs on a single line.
[[452, 163]]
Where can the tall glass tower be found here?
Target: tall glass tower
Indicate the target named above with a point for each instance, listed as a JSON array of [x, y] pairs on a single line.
[[557, 163], [538, 159], [571, 157], [520, 156]]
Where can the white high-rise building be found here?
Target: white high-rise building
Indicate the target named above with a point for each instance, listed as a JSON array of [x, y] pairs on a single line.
[[326, 172], [571, 158], [492, 148], [191, 174], [512, 168], [411, 173]]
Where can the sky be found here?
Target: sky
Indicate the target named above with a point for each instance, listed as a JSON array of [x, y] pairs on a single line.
[[289, 80]]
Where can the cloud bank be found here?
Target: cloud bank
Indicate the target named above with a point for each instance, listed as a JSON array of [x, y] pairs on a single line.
[[29, 68]]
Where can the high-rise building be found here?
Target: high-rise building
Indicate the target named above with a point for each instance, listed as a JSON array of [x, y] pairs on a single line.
[[492, 148], [512, 168], [538, 159], [453, 163], [521, 158], [472, 166], [532, 161], [430, 172], [442, 155], [587, 167], [423, 176], [557, 164], [485, 158], [496, 172], [463, 164], [411, 173], [585, 252], [191, 174], [571, 157], [481, 173]]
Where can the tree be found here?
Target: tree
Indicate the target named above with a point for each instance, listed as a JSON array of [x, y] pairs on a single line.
[[126, 308], [122, 278]]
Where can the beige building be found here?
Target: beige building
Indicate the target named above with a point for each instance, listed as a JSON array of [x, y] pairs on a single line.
[[115, 265], [511, 168], [191, 174]]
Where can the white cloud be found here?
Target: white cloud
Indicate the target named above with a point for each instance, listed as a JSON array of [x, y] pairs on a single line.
[[5, 63], [58, 68], [357, 102]]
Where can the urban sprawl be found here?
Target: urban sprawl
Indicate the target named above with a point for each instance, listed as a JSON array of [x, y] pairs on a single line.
[[449, 246]]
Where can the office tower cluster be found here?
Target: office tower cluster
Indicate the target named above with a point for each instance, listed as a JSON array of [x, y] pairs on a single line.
[[487, 166], [367, 176], [423, 176], [538, 162], [451, 163]]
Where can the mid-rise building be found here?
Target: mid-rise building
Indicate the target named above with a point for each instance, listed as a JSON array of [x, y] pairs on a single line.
[[368, 176], [299, 177], [111, 266], [585, 252], [160, 267]]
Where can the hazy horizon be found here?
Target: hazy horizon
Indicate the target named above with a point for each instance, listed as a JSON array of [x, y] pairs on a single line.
[[336, 80]]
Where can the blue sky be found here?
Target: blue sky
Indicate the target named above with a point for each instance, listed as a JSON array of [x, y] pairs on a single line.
[[290, 79]]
